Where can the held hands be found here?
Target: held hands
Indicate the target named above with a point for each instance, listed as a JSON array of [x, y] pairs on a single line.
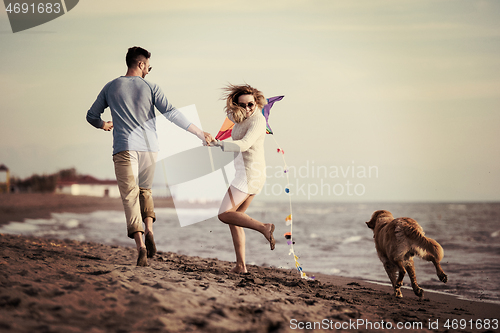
[[107, 126], [205, 137], [208, 138], [215, 143], [210, 141]]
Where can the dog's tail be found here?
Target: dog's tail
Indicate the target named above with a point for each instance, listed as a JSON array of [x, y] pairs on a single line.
[[431, 248], [434, 249]]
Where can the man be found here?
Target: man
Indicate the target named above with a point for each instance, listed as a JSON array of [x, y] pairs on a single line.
[[132, 101]]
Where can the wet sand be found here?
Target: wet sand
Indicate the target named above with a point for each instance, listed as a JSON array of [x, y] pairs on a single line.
[[19, 206], [70, 286]]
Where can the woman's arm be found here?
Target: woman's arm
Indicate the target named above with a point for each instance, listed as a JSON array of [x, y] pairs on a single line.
[[255, 130]]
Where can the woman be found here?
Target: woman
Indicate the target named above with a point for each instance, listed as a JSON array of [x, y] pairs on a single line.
[[243, 105]]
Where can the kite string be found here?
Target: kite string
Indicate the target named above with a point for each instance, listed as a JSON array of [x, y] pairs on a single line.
[[292, 251], [287, 186]]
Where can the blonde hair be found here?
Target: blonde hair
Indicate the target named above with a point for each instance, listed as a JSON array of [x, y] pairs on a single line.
[[233, 92]]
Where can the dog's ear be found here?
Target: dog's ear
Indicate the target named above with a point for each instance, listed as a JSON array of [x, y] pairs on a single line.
[[382, 214]]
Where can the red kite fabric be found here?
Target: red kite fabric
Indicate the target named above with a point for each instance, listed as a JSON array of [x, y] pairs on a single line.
[[225, 130]]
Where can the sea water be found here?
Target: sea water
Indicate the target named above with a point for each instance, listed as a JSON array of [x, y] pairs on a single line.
[[330, 238]]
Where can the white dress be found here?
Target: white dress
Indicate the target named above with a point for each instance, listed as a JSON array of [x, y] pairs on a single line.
[[248, 138]]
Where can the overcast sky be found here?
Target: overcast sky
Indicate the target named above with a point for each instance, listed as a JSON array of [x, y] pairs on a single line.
[[408, 88]]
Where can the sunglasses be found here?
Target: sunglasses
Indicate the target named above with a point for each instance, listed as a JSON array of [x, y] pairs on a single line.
[[150, 68], [244, 106]]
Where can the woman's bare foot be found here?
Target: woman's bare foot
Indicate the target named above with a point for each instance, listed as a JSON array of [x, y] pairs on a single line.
[[270, 237], [238, 269]]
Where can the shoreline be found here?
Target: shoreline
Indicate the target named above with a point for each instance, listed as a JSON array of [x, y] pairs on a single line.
[[410, 290], [15, 207], [65, 285]]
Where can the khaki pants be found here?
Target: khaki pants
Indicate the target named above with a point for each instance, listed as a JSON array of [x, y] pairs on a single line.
[[134, 173]]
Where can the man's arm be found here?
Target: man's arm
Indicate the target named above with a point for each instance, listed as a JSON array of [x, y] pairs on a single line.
[[203, 136], [177, 117], [107, 125], [95, 111]]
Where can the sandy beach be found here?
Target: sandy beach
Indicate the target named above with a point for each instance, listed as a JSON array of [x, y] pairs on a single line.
[[69, 286]]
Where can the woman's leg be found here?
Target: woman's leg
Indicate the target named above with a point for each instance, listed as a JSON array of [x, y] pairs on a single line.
[[232, 212], [238, 234]]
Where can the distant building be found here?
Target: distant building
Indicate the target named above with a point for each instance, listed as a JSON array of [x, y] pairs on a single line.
[[88, 185], [4, 179]]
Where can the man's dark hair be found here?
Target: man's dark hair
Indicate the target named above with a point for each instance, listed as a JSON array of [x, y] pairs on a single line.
[[134, 55]]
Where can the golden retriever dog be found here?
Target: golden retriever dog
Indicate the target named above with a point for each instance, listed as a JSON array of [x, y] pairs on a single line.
[[397, 241]]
